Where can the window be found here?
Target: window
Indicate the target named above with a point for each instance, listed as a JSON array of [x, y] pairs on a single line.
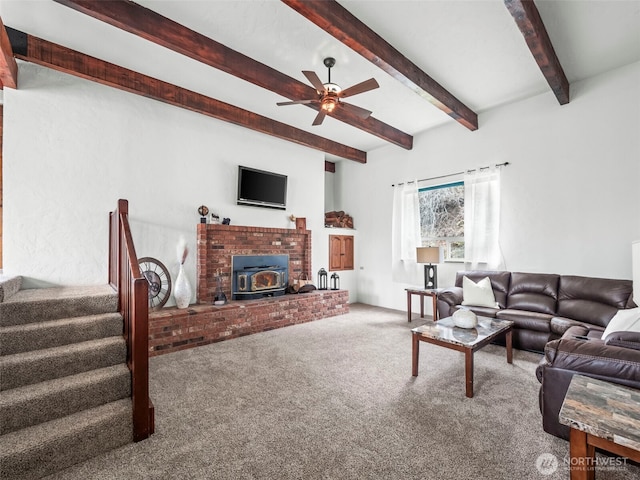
[[442, 219]]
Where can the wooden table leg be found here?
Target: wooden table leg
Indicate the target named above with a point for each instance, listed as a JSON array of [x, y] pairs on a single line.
[[415, 352], [421, 306], [468, 372], [435, 307], [581, 456], [509, 342], [409, 306]]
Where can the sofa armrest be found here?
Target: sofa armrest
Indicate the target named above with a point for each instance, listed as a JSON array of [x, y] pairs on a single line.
[[623, 339], [448, 298], [581, 351], [595, 358], [451, 295]]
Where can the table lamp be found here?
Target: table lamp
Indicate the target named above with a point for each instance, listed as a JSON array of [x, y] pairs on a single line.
[[429, 256]]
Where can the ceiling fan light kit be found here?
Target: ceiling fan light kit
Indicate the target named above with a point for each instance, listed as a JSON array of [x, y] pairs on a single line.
[[329, 94]]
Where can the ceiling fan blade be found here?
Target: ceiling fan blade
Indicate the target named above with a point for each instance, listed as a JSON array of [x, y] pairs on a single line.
[[296, 102], [359, 88], [359, 111], [319, 118], [315, 80]]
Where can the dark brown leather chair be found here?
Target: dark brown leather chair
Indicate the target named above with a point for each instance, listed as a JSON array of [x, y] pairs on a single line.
[[581, 350]]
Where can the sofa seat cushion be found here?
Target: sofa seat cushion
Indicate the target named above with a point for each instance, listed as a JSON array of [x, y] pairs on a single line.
[[533, 292], [559, 325], [480, 311], [539, 322], [589, 331]]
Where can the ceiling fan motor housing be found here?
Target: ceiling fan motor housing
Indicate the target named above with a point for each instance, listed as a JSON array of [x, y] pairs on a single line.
[[332, 88]]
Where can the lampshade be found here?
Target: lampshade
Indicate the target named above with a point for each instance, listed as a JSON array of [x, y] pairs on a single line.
[[428, 254]]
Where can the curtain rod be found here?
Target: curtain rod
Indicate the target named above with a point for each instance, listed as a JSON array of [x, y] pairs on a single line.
[[452, 174]]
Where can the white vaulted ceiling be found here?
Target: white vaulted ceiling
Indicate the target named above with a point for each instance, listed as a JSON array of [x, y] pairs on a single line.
[[472, 48]]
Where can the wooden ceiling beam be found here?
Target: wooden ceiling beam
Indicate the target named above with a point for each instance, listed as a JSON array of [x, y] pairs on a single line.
[[8, 65], [51, 55], [329, 166], [152, 26], [528, 19], [339, 22]]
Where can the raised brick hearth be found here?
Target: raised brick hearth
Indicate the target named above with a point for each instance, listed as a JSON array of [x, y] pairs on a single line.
[[171, 329]]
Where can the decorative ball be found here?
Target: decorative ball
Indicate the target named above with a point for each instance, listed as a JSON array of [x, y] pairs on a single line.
[[464, 318], [203, 210]]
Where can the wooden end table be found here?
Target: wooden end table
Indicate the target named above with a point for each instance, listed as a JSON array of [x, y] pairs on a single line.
[[423, 292], [603, 415], [445, 334]]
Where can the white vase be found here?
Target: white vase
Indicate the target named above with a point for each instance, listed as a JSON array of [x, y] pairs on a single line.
[[182, 289], [464, 318]]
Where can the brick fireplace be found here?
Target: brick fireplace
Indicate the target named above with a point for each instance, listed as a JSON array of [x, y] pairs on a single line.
[[217, 244], [172, 329]]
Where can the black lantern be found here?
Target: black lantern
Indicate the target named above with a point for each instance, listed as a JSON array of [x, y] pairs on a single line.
[[322, 279], [335, 281]]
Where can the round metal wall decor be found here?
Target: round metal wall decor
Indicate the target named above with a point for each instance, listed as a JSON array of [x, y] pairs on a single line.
[[159, 281]]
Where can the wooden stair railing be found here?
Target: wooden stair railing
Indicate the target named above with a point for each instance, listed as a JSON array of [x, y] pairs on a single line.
[[132, 288]]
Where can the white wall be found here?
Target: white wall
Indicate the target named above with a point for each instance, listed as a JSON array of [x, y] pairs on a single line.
[[570, 201], [72, 148], [329, 191]]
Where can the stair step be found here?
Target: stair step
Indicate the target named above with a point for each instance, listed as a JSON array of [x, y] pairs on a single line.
[[40, 365], [9, 286], [55, 333], [43, 304], [49, 447], [33, 404]]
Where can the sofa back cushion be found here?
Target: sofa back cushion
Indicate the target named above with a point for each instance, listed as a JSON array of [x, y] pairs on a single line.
[[499, 282], [593, 300], [534, 292]]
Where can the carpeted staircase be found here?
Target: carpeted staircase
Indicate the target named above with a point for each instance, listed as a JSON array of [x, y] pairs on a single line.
[[64, 384]]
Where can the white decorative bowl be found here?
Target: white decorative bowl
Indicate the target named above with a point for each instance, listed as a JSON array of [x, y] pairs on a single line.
[[464, 318]]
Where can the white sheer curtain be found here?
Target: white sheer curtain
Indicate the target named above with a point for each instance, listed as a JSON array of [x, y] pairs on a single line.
[[405, 227], [482, 218]]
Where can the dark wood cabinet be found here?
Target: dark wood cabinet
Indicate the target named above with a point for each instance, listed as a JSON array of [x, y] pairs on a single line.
[[340, 252]]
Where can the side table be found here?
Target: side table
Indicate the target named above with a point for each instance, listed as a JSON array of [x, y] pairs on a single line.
[[423, 292], [602, 415]]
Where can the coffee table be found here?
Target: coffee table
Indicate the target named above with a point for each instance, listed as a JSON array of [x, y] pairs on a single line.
[[445, 334], [602, 415]]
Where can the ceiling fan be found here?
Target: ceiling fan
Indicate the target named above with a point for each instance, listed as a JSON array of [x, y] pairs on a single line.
[[330, 94]]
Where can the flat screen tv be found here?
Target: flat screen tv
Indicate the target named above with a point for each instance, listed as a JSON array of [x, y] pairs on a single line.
[[261, 189]]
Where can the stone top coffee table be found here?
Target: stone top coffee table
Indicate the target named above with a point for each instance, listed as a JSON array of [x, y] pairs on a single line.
[[602, 415], [445, 334]]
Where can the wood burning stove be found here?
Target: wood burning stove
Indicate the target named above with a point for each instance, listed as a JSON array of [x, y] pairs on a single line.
[[258, 276]]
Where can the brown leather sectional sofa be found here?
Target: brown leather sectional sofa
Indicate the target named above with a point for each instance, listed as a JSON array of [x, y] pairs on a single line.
[[564, 316], [543, 305]]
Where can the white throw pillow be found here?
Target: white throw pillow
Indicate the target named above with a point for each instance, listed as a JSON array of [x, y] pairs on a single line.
[[626, 320], [478, 294]]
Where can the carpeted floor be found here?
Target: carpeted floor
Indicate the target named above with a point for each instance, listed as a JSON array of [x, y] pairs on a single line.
[[335, 399]]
